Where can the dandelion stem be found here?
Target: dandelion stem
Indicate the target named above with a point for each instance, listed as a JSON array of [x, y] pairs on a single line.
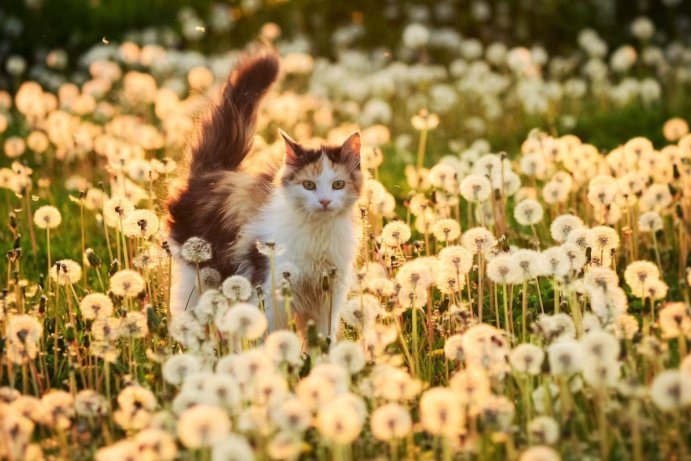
[[524, 311], [602, 424], [636, 430], [48, 252], [30, 218], [421, 149], [415, 339], [83, 238], [505, 297], [657, 250], [539, 295], [446, 449], [393, 450], [480, 287], [401, 339]]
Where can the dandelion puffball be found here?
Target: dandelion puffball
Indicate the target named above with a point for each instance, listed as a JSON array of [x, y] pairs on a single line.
[[196, 250], [127, 283], [203, 426], [47, 217], [476, 188], [528, 212]]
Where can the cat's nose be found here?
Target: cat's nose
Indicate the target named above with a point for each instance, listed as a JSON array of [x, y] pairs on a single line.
[[325, 203]]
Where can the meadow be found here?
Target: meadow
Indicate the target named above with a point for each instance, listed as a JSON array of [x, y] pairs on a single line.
[[523, 282]]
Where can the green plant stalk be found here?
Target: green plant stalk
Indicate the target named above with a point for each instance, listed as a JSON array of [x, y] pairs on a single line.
[[416, 341], [636, 441], [447, 455], [657, 250], [421, 149], [524, 311], [681, 339], [393, 450], [602, 424], [577, 317], [505, 297], [556, 296], [480, 287], [83, 239], [50, 258], [30, 220], [539, 295], [406, 352]]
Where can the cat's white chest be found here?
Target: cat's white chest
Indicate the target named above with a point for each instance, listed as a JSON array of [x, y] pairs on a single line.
[[315, 246]]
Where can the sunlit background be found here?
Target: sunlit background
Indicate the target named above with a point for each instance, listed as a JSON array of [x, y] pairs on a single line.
[[522, 281]]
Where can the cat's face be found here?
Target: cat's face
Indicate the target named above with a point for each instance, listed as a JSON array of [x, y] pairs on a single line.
[[322, 181]]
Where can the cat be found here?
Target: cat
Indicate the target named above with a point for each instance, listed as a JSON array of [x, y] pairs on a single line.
[[240, 203]]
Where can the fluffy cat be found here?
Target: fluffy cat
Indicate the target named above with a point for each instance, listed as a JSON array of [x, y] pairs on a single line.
[[303, 205]]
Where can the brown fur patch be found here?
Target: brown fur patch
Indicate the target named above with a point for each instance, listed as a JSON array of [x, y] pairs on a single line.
[[215, 206]]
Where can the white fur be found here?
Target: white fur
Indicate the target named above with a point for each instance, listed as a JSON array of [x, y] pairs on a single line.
[[315, 244], [183, 295]]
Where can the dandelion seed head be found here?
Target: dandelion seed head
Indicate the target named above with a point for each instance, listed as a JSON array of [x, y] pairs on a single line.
[[440, 412], [270, 249], [503, 269], [196, 250], [133, 325], [127, 283], [95, 305], [670, 390], [390, 421], [237, 288], [527, 358], [339, 421], [637, 273], [675, 320], [476, 188], [47, 217], [116, 209], [565, 357], [203, 426], [457, 257], [478, 240], [140, 223], [446, 230], [293, 415], [396, 233], [89, 403], [563, 225], [625, 326], [243, 320], [178, 366], [348, 355], [650, 222], [528, 212], [232, 447], [284, 346]]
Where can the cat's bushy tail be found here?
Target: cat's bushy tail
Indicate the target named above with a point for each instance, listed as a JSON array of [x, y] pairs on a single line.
[[227, 135]]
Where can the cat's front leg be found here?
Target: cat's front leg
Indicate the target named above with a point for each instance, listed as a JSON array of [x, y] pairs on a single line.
[[340, 292], [274, 312]]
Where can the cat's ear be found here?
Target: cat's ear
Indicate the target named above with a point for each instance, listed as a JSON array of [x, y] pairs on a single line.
[[351, 146], [292, 148]]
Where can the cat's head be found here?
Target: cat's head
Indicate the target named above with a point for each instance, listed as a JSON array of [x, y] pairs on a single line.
[[322, 181]]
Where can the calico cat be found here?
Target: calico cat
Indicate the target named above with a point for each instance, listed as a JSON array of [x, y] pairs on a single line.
[[240, 203]]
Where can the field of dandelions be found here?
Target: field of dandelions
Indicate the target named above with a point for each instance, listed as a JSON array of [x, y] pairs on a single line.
[[529, 304]]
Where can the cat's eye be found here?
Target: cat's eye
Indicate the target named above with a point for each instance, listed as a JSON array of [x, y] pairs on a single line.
[[340, 184], [309, 185]]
